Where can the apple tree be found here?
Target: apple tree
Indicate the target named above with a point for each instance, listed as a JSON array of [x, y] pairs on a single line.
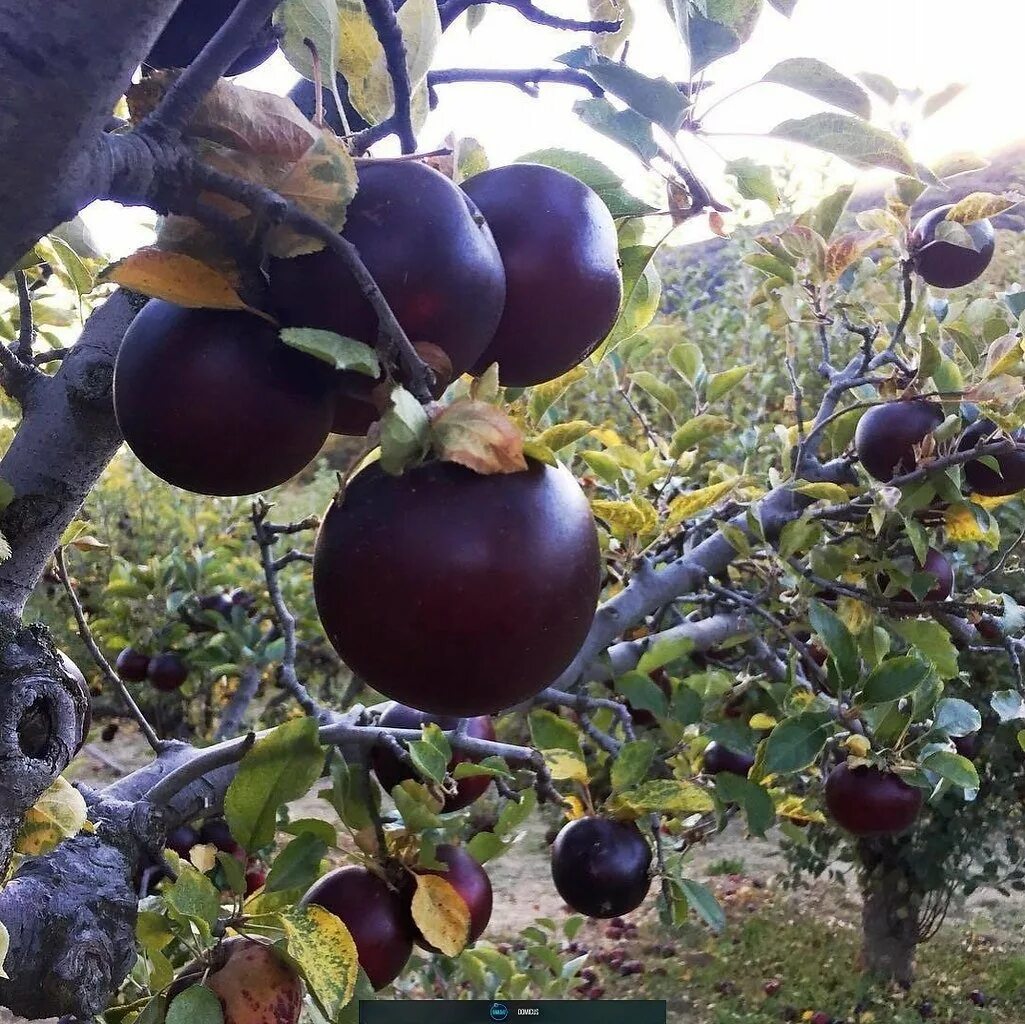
[[741, 591]]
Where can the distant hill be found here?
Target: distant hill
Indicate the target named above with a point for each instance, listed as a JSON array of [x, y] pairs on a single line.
[[1006, 170]]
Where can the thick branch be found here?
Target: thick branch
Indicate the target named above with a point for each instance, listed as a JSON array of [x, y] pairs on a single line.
[[527, 79]]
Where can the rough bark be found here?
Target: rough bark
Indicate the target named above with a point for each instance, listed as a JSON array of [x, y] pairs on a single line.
[[890, 913], [62, 69], [67, 437]]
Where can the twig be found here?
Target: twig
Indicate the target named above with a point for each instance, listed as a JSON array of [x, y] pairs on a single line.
[[156, 744], [243, 696], [453, 8], [389, 34], [525, 79], [266, 536], [26, 332]]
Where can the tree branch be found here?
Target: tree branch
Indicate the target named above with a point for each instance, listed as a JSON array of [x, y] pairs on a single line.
[[526, 79], [389, 34], [454, 8]]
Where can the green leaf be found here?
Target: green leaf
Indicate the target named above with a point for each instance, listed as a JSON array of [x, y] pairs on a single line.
[[405, 429], [932, 642], [881, 86], [657, 99], [626, 127], [837, 640], [1008, 705], [720, 384], [281, 766], [340, 352], [193, 897], [957, 717], [849, 138], [562, 435], [709, 41], [550, 732], [754, 181], [603, 181], [659, 390], [894, 678], [350, 793], [318, 22], [696, 430], [631, 764], [642, 289], [298, 864], [827, 213], [485, 846], [751, 797], [952, 767], [703, 902], [515, 812], [604, 465], [432, 754], [686, 359], [816, 78], [323, 830], [785, 7], [796, 742], [664, 651], [642, 693], [196, 1005]]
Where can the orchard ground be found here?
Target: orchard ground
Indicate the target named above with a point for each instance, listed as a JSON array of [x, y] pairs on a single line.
[[807, 940]]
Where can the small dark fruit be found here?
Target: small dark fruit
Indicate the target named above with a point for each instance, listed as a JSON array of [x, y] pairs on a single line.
[[985, 480], [167, 672], [820, 1017], [214, 402], [772, 987], [376, 916], [220, 604], [303, 95], [256, 876], [491, 583], [718, 758], [968, 746], [468, 879], [601, 867], [132, 665], [887, 435], [938, 566], [868, 802], [181, 840], [561, 254], [215, 831], [391, 771], [434, 259], [193, 25], [944, 264], [977, 997], [110, 730]]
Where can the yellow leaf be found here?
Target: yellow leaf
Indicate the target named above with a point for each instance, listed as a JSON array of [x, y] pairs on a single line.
[[993, 502], [979, 206], [761, 721], [479, 436], [575, 808], [441, 914], [855, 614], [961, 526], [175, 277], [832, 493], [859, 746], [57, 815], [565, 765], [322, 182], [607, 436], [203, 857], [562, 435], [795, 808], [5, 945], [324, 951], [690, 504], [539, 451], [625, 517]]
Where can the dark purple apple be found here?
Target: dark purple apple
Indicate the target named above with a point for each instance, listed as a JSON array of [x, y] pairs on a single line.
[[718, 758], [983, 479], [944, 264], [434, 259], [487, 584], [376, 916], [471, 881], [561, 254], [601, 866], [868, 802], [132, 665], [391, 771], [887, 435]]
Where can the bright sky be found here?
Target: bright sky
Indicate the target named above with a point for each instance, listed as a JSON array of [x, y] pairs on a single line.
[[917, 43]]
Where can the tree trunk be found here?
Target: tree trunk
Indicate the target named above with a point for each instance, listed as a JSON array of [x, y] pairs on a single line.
[[890, 912]]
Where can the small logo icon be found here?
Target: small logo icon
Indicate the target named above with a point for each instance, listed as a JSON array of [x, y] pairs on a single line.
[[499, 1011]]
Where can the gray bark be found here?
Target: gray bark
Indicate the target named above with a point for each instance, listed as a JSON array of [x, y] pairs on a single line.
[[890, 913], [63, 67]]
